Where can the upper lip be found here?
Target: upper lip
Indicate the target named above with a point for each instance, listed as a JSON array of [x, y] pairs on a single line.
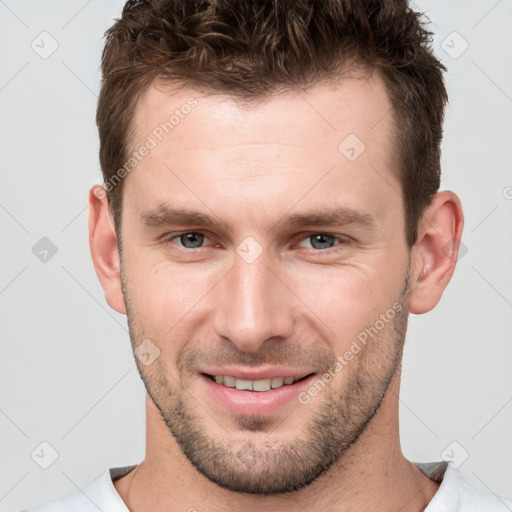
[[258, 374]]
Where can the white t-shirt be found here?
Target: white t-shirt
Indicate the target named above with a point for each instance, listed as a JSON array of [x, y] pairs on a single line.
[[453, 495]]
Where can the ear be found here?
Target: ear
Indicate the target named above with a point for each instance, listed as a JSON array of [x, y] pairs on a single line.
[[436, 251], [104, 249]]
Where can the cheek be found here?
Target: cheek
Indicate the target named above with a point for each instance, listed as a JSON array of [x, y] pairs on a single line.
[[346, 300], [165, 296]]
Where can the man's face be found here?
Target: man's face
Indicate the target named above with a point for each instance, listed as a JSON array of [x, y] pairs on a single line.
[[273, 283]]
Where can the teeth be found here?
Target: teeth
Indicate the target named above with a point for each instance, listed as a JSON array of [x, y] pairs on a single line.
[[261, 385], [277, 382], [230, 382], [243, 384], [254, 385]]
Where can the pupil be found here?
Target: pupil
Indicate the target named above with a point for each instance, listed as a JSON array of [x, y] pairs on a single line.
[[192, 240], [322, 241]]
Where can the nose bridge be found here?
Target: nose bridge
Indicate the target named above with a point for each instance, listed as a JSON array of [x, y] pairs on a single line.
[[250, 307]]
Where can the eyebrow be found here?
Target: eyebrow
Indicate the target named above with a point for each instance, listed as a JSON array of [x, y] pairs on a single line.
[[340, 216], [168, 216]]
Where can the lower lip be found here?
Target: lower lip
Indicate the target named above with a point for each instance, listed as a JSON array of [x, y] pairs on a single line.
[[245, 402]]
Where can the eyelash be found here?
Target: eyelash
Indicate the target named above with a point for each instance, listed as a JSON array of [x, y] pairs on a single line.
[[341, 239]]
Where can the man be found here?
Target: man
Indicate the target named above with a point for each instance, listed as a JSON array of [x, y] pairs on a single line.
[[271, 218]]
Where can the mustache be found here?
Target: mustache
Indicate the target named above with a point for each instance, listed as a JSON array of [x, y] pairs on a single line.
[[279, 353]]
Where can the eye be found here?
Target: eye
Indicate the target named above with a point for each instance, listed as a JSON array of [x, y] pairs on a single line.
[[190, 239], [321, 241], [316, 241]]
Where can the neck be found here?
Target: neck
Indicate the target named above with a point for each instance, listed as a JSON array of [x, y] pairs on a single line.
[[372, 471]]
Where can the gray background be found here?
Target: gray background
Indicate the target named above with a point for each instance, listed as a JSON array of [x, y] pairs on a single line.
[[67, 375]]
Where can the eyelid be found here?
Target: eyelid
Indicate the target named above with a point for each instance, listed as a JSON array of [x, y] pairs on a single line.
[[342, 239], [170, 237]]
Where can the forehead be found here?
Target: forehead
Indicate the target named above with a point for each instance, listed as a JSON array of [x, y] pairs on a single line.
[[276, 141], [357, 103]]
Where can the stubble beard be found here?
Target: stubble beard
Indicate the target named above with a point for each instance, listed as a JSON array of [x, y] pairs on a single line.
[[257, 459]]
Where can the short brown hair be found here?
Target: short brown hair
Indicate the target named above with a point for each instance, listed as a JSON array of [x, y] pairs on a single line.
[[249, 49]]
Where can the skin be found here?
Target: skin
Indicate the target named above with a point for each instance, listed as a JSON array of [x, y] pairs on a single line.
[[294, 305]]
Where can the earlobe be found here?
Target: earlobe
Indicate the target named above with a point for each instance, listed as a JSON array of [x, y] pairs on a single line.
[[435, 253], [104, 249]]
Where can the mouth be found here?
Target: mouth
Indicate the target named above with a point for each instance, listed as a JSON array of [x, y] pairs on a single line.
[[261, 385], [245, 397]]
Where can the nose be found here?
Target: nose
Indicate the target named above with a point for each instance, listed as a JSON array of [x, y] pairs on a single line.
[[252, 305]]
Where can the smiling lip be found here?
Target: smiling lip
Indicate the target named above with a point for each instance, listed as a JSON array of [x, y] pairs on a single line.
[[259, 403], [260, 374]]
